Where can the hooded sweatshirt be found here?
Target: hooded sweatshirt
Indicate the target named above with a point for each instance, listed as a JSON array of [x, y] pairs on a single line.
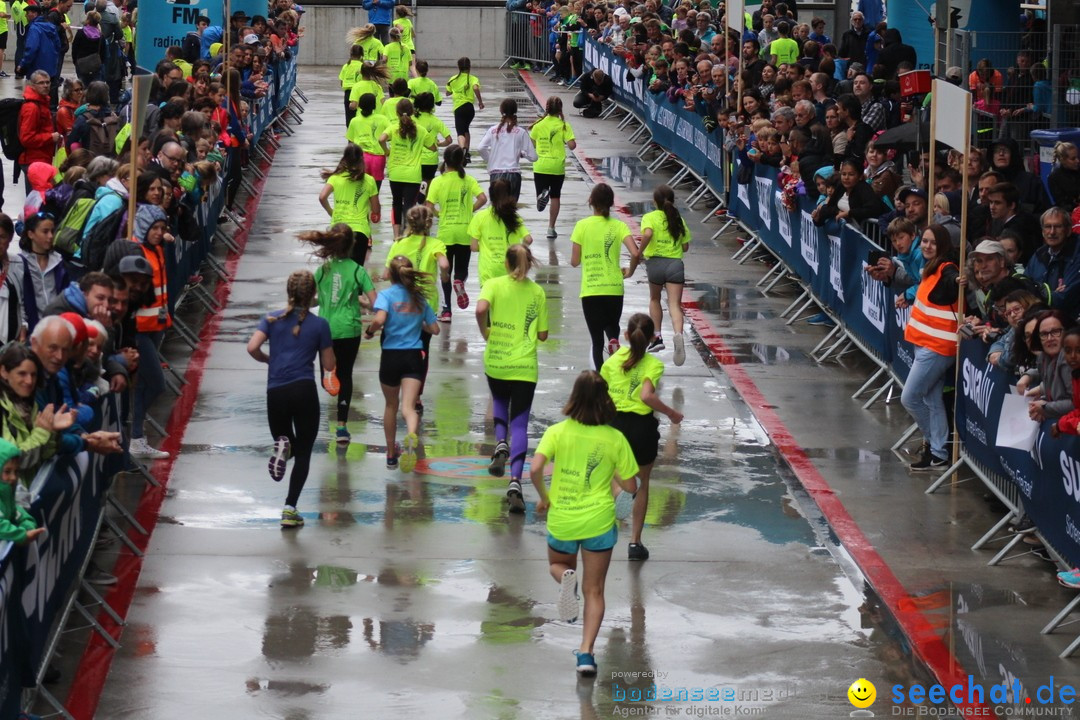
[[1032, 195]]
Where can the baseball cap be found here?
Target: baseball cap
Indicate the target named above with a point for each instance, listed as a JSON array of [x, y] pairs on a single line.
[[954, 73], [135, 265], [917, 192], [990, 247], [251, 39]]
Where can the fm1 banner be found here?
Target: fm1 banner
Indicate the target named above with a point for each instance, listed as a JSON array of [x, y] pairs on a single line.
[[164, 23]]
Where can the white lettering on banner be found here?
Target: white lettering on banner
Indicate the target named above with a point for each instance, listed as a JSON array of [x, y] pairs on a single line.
[[1071, 530], [1036, 450], [764, 193], [605, 65], [974, 431], [716, 156], [590, 54], [808, 240], [903, 353], [902, 315], [685, 130], [836, 277], [783, 217], [978, 386], [1070, 475], [874, 300], [973, 640], [665, 118], [744, 194], [617, 74], [1017, 477]]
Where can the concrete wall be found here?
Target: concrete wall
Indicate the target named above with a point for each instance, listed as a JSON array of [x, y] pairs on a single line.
[[443, 34]]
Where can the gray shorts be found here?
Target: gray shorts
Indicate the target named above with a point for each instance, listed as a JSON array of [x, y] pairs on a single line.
[[662, 270]]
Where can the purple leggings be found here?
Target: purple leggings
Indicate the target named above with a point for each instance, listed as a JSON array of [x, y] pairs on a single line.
[[511, 401]]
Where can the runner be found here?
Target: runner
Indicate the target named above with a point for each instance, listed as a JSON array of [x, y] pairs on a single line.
[[343, 287], [458, 197], [633, 377], [552, 135], [588, 455], [397, 91], [503, 146], [491, 232], [428, 257], [425, 118], [402, 314], [664, 238], [403, 22], [596, 249], [512, 314], [422, 83], [372, 79], [398, 56], [356, 199], [403, 144], [464, 89], [350, 73], [365, 37], [365, 130], [292, 400]]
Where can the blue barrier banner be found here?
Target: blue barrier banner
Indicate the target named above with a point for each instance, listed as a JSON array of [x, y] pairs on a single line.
[[1047, 477], [11, 639], [164, 23]]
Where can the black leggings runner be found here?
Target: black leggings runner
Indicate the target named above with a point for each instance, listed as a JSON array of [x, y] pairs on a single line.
[[404, 195], [345, 351], [458, 257], [602, 315], [293, 411]]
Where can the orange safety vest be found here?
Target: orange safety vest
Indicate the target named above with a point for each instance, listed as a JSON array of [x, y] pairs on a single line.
[[154, 316], [932, 326]]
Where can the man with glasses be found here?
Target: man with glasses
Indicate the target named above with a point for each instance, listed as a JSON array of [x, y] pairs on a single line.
[[1055, 265], [37, 131], [169, 162]]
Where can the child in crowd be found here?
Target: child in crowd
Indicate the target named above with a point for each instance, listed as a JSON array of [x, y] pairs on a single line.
[[16, 524]]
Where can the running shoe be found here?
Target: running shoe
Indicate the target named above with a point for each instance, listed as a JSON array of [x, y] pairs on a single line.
[[343, 437], [497, 466], [462, 296], [278, 458], [656, 345], [408, 453], [290, 518], [392, 457], [586, 664], [3, 74], [139, 448], [330, 383], [612, 346], [445, 316], [1041, 552], [1069, 578], [624, 505], [542, 199], [551, 234], [515, 498], [821, 319], [928, 463], [568, 597], [1024, 526], [637, 551], [680, 349]]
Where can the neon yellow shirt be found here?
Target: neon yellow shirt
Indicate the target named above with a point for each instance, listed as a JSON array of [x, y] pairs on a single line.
[[424, 253], [389, 108], [518, 313], [662, 243], [4, 21], [405, 25], [454, 196], [435, 128], [352, 201], [786, 50], [184, 65], [129, 35], [350, 73], [365, 87], [373, 48], [624, 386], [365, 132], [551, 135], [398, 60], [493, 239], [403, 162], [601, 241], [462, 87], [586, 458], [425, 84]]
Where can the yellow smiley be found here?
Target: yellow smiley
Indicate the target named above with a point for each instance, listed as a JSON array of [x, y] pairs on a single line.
[[862, 693]]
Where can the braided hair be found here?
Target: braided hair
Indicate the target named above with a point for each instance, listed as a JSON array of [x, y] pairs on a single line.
[[300, 291]]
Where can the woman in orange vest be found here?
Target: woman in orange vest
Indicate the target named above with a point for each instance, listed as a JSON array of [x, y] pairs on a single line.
[[932, 329], [151, 231]]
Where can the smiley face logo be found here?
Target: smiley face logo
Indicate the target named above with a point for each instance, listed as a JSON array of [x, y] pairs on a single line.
[[862, 693]]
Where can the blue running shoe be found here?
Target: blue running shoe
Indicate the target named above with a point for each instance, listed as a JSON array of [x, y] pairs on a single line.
[[820, 319], [586, 664], [343, 436], [1070, 578]]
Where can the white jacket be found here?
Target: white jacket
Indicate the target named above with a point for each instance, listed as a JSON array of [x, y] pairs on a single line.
[[502, 149]]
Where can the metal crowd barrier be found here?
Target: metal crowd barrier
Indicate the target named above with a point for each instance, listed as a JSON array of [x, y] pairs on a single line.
[[527, 38]]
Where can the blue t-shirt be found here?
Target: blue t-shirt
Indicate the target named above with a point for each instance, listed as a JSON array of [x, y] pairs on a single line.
[[292, 357], [404, 320]]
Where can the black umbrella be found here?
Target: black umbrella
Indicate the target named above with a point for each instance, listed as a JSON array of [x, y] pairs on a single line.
[[906, 137]]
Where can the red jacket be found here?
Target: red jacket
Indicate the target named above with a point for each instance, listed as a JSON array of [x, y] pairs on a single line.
[[1069, 421], [36, 128]]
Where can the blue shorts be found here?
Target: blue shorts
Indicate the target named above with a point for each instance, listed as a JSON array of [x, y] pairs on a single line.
[[600, 543]]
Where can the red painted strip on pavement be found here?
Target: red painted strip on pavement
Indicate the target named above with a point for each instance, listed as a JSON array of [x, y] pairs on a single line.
[[85, 693], [925, 641]]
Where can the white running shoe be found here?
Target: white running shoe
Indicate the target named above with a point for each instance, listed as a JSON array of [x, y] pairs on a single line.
[[680, 349], [141, 449], [568, 597]]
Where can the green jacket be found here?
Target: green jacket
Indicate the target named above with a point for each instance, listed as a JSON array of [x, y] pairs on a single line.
[[14, 521], [36, 444], [18, 12]]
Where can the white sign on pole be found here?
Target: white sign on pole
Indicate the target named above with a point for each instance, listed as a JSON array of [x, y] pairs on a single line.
[[735, 10], [952, 115]]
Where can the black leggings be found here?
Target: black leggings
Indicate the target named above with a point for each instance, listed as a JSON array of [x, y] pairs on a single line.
[[425, 343], [602, 315], [293, 411], [345, 350], [404, 195], [349, 112], [458, 257]]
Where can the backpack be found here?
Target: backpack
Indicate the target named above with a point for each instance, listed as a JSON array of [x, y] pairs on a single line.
[[192, 47], [103, 131], [68, 238], [97, 241], [9, 127]]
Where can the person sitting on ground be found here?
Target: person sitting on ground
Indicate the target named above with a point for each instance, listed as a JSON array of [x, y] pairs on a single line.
[[596, 88]]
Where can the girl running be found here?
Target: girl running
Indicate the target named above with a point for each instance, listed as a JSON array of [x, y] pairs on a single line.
[[633, 377], [356, 200], [464, 88], [596, 250], [372, 79], [512, 314], [457, 196], [588, 455], [350, 73], [422, 83], [403, 144], [664, 238], [292, 400], [425, 118], [491, 232], [503, 146], [365, 37], [343, 288], [403, 22], [398, 56], [552, 135], [365, 130], [402, 314]]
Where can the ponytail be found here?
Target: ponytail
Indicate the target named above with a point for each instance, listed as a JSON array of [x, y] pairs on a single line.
[[406, 126], [519, 259], [418, 222], [402, 273], [639, 331], [454, 159], [602, 198], [300, 291], [335, 243], [508, 109], [664, 197], [504, 206]]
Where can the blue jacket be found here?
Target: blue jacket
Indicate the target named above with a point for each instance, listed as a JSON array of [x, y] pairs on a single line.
[[43, 48], [908, 274], [1063, 268], [379, 11], [211, 35]]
